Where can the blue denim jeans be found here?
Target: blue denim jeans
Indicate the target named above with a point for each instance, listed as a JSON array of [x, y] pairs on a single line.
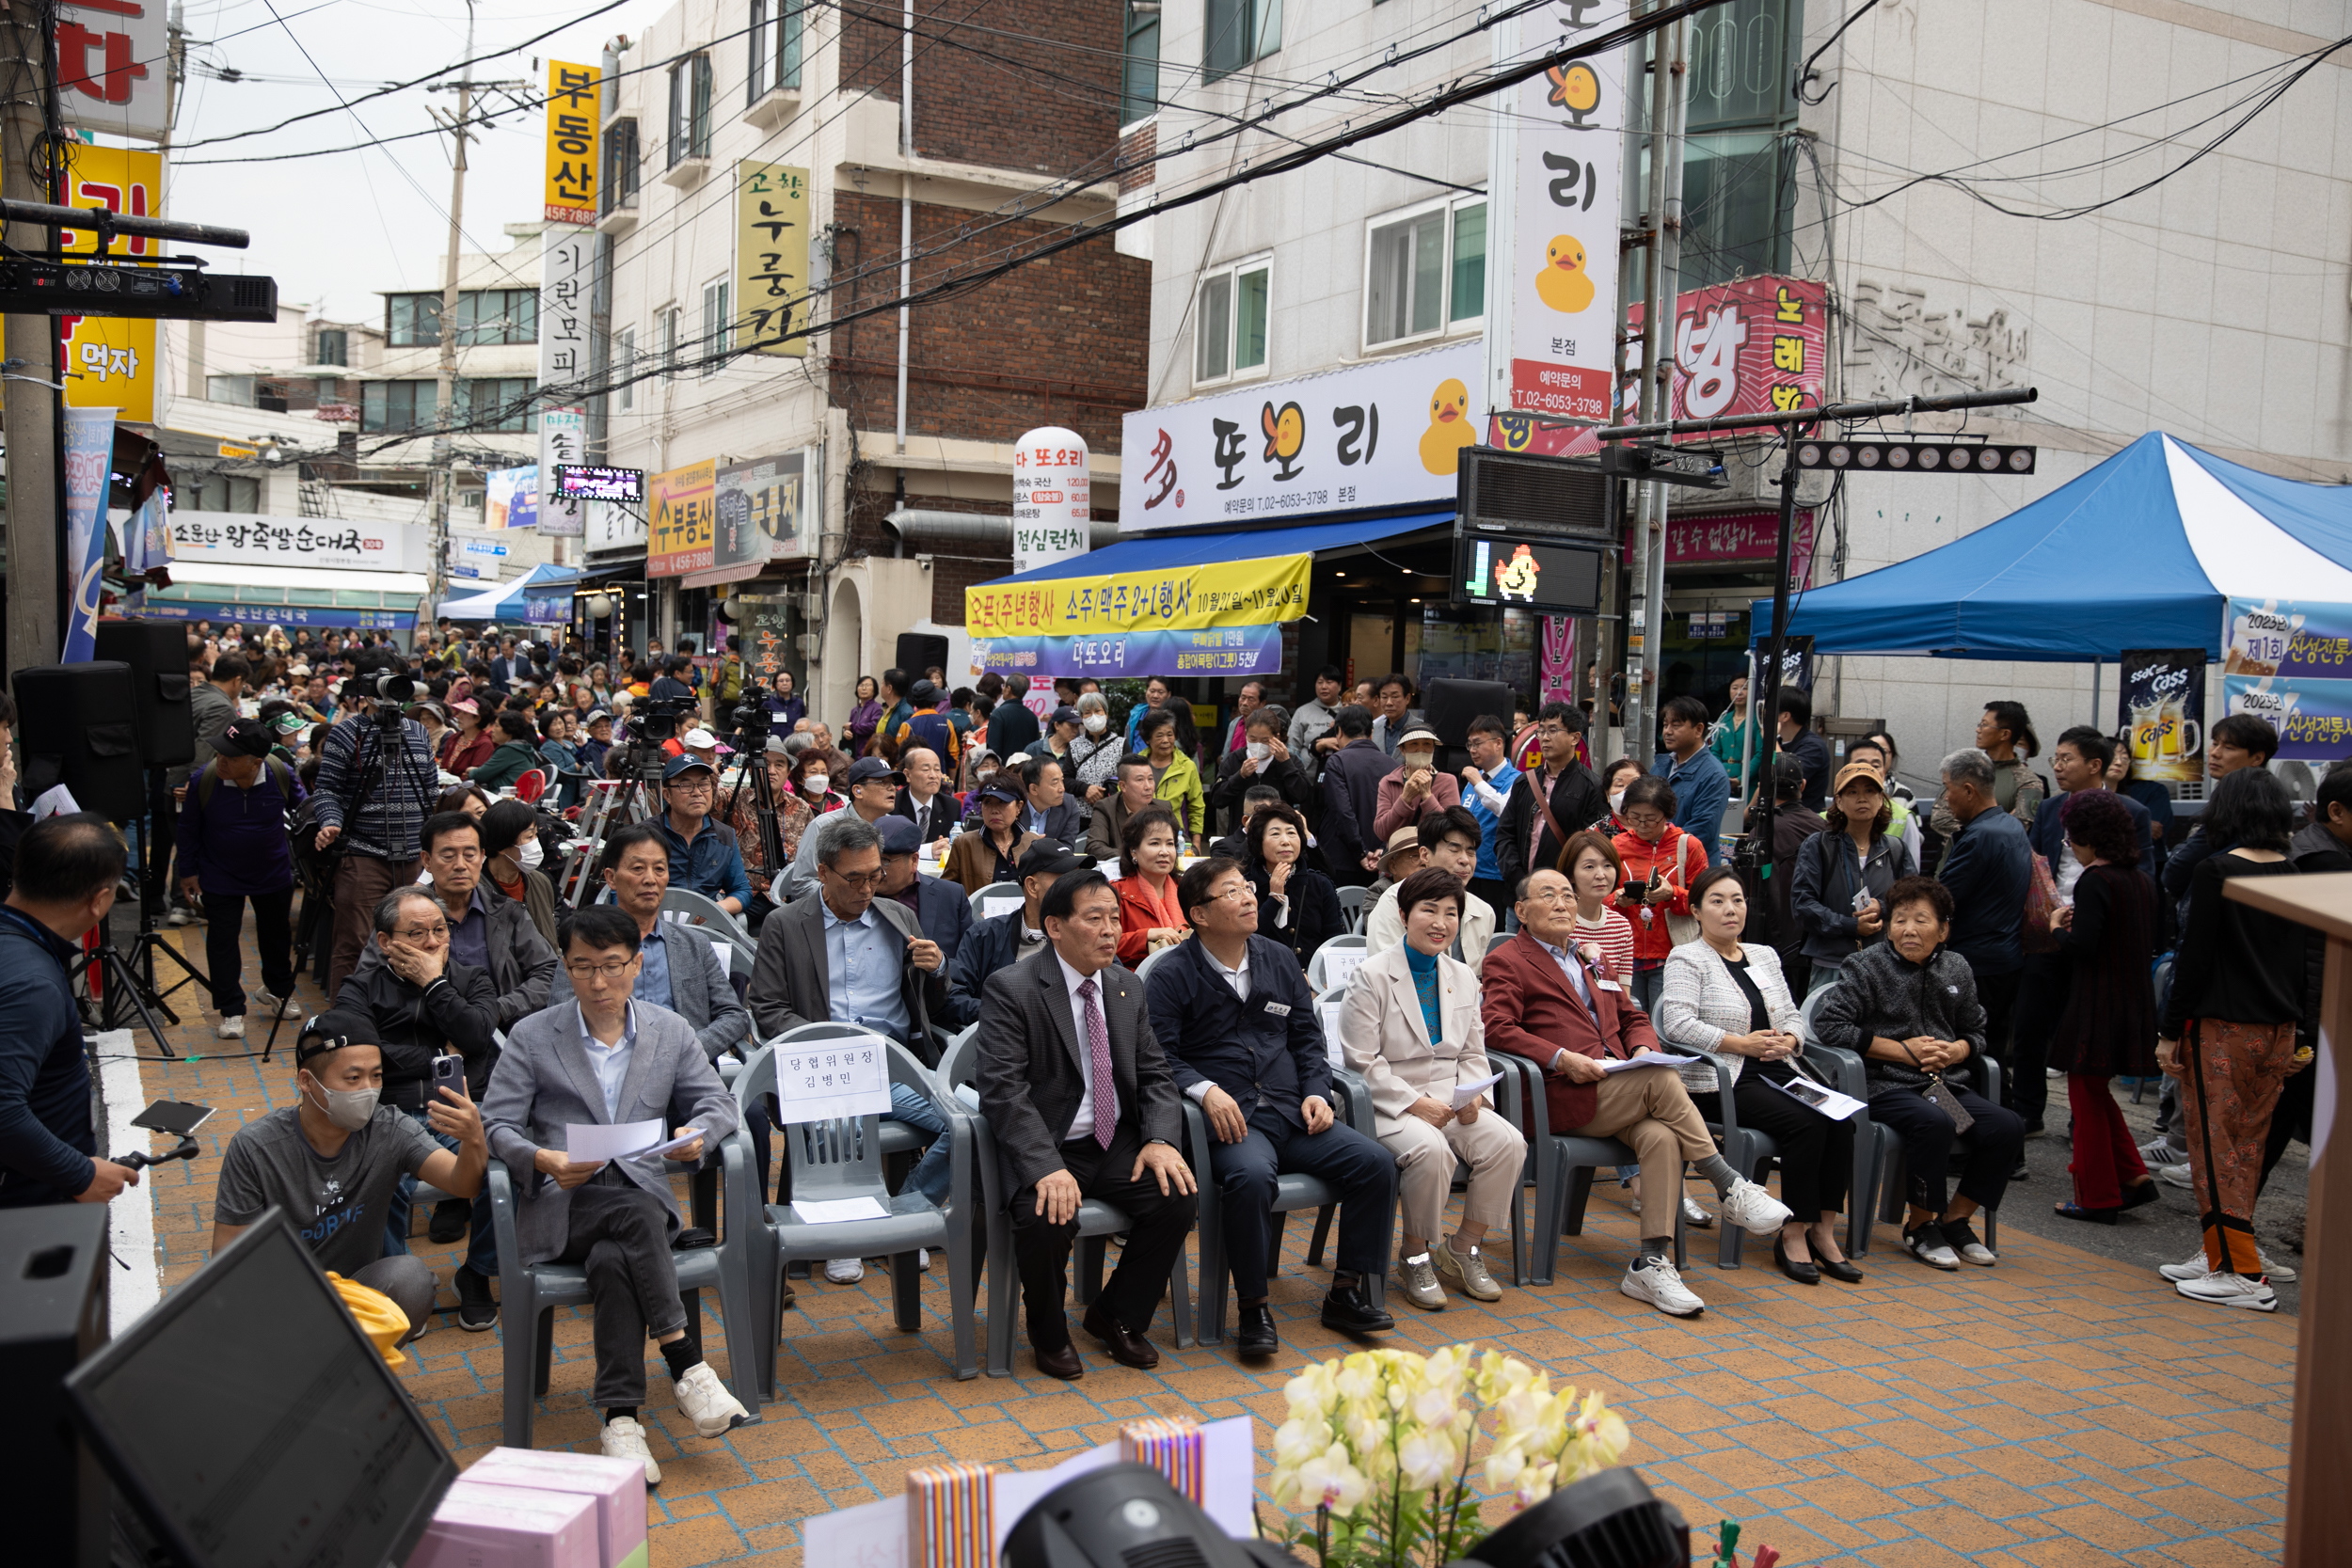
[[482, 1247], [915, 1108]]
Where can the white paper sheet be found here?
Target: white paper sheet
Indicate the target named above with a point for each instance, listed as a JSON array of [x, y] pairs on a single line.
[[1341, 964], [1830, 1103], [837, 1211], [662, 1152], [1645, 1058], [1002, 903], [50, 801], [824, 1079], [595, 1140], [1465, 1093], [1331, 1011], [871, 1535]]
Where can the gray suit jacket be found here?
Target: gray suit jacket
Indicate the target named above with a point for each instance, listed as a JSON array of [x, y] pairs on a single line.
[[543, 1083], [791, 984], [700, 991], [1031, 1072]]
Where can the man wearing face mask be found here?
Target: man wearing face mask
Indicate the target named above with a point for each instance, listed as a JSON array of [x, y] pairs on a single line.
[[921, 802], [873, 789], [335, 1160], [1263, 759], [1414, 789]]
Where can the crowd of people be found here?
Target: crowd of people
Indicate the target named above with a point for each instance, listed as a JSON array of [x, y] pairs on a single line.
[[1169, 891]]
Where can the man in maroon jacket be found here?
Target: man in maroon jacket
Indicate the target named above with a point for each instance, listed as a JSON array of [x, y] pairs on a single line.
[[1559, 1006]]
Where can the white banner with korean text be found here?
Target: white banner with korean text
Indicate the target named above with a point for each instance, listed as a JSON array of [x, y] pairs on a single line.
[[249, 538]]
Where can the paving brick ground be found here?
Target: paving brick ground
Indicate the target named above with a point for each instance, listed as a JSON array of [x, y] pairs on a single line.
[[2061, 1409]]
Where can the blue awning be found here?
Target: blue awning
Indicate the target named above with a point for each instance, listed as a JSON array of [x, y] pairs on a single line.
[[505, 601], [1204, 547]]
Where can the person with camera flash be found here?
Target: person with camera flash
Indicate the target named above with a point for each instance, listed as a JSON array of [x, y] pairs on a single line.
[[378, 782]]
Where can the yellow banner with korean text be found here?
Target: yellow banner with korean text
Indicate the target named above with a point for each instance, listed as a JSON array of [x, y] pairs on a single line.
[[1253, 593], [680, 509], [575, 108], [108, 361], [770, 258]]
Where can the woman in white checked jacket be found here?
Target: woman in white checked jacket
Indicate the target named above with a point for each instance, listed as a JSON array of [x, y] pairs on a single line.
[[1730, 1001]]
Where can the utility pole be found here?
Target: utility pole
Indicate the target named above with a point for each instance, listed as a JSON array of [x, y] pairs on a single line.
[[28, 405], [445, 382], [1645, 623]]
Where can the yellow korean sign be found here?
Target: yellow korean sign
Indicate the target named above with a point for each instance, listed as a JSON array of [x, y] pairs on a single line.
[[679, 507], [771, 257], [574, 111], [1176, 598], [108, 361]]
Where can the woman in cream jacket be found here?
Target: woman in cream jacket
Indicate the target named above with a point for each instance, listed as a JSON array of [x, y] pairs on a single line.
[[1412, 1029]]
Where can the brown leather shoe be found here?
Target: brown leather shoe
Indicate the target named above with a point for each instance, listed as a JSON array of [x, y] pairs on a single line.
[[1128, 1350], [1062, 1362]]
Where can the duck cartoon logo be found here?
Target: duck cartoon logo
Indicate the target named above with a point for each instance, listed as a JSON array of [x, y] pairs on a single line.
[[1449, 429], [1563, 284], [1516, 577], [1575, 87], [1285, 438]]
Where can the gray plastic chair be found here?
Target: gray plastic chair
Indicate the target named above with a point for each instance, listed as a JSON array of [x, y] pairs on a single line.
[[717, 924], [1096, 1221], [1564, 1166], [1292, 1193], [1318, 966], [1352, 903], [1498, 938], [528, 1297], [996, 889], [841, 1158]]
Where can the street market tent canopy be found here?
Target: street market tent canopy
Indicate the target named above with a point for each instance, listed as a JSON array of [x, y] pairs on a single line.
[[2143, 551], [504, 602]]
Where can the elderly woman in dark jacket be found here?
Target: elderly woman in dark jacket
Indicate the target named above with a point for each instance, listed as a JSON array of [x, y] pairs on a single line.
[[2107, 936], [1297, 906], [1910, 1010]]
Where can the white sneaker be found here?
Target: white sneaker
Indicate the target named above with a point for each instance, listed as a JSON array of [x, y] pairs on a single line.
[[2175, 1175], [1970, 1249], [1693, 1215], [177, 917], [623, 1438], [2195, 1267], [1753, 1210], [2230, 1289], [286, 1005], [845, 1271], [2158, 1150], [705, 1401], [1927, 1245], [922, 1260], [229, 1028], [1656, 1280]]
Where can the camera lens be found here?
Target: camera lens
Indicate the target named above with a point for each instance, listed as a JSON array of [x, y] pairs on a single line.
[[396, 689]]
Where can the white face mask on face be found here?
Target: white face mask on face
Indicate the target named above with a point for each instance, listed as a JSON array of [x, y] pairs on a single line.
[[1616, 803], [1096, 724], [1260, 751], [813, 784], [531, 854]]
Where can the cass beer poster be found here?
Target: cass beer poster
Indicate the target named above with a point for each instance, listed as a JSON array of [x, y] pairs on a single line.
[[2163, 712]]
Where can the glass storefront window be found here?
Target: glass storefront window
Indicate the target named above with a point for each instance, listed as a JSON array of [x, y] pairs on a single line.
[[1468, 642]]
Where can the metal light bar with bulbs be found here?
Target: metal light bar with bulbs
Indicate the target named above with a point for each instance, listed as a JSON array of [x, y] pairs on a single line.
[[1917, 457]]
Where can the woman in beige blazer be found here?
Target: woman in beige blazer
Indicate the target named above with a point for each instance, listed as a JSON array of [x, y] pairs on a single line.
[[1411, 1027]]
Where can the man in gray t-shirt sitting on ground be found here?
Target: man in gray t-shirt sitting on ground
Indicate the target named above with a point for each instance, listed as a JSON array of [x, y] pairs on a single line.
[[333, 1161]]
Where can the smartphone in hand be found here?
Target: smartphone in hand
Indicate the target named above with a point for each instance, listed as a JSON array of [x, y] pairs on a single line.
[[449, 1072]]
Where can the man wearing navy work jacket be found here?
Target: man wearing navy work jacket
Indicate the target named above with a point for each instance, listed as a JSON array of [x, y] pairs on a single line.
[[1244, 1043]]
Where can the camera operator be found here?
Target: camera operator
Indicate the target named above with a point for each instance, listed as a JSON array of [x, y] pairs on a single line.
[[377, 786], [66, 870]]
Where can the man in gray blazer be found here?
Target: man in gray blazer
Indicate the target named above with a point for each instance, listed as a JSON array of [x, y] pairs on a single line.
[[604, 1059], [846, 956], [681, 967], [1078, 1094]]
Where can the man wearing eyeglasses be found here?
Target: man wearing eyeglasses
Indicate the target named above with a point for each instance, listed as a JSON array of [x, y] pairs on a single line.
[[704, 857], [846, 957], [424, 1004]]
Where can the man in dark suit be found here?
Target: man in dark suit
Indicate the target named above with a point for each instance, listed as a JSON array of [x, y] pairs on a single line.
[[1528, 839], [925, 801], [1351, 799], [1544, 998], [1244, 1043], [941, 908], [1002, 941], [1047, 809], [1078, 1093], [1011, 727]]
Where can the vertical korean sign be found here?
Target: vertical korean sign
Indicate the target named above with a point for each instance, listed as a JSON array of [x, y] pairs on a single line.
[[89, 444], [574, 107], [108, 361], [1562, 159], [771, 257], [566, 275], [112, 58], [1052, 498]]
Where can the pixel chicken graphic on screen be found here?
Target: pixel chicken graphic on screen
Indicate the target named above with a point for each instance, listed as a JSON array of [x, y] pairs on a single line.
[[1516, 577]]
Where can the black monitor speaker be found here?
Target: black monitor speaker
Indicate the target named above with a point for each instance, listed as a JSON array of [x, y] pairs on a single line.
[[75, 723], [157, 653], [53, 1313], [918, 652], [247, 1419], [1448, 706]]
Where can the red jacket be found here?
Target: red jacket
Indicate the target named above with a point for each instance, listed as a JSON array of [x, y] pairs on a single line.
[[1679, 858], [1530, 1010]]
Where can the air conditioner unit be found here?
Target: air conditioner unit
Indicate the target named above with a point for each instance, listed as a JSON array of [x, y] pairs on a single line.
[[807, 642]]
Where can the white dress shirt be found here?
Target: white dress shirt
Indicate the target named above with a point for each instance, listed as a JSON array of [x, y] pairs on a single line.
[[610, 1062], [1082, 1125]]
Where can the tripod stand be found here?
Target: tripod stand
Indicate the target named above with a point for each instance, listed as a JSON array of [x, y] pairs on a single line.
[[637, 797], [134, 974]]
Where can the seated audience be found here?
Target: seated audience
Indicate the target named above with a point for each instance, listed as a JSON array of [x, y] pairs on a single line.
[[1264, 762], [1449, 843], [984, 856], [679, 966], [1132, 792], [1601, 929], [1149, 915], [1047, 807], [487, 931], [1004, 939], [940, 907], [1297, 907]]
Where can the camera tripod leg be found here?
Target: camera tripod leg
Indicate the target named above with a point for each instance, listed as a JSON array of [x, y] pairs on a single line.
[[150, 943], [118, 969]]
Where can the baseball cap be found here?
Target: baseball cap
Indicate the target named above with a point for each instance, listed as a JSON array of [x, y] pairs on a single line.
[[682, 764], [924, 694], [290, 722], [597, 716], [701, 739], [997, 790], [1854, 770], [1048, 858], [245, 737], [1066, 716], [332, 1030], [899, 835], [867, 770]]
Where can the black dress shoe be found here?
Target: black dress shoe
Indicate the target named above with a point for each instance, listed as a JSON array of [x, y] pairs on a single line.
[[1062, 1362], [1349, 1310], [1254, 1335], [1806, 1272], [1841, 1268], [450, 1216], [1128, 1350], [2144, 1192]]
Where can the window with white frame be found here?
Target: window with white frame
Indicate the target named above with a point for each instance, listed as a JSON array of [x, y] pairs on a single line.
[[716, 328], [1229, 322], [1425, 271], [690, 110], [665, 339], [628, 346], [775, 48]]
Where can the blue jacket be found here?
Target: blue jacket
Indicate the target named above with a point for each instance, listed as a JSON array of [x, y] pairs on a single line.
[[1267, 1052], [990, 945], [236, 845], [1501, 779], [2048, 836], [46, 1141], [944, 911], [1702, 790], [712, 864], [1986, 871]]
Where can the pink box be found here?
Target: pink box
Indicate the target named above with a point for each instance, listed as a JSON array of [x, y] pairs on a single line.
[[617, 1484], [509, 1526]]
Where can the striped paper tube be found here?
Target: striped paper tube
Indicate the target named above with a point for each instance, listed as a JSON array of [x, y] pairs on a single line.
[[951, 1522], [1170, 1444]]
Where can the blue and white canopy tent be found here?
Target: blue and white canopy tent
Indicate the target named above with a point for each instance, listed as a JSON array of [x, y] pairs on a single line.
[[2143, 551], [506, 601]]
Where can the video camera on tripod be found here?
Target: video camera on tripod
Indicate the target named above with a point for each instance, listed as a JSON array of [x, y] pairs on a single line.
[[390, 691]]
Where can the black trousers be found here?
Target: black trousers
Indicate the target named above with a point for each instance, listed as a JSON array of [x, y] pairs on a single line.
[[1816, 1152], [273, 934], [1041, 1249], [2043, 986], [1929, 1138], [621, 1234], [2289, 1121], [1998, 992], [1245, 1173]]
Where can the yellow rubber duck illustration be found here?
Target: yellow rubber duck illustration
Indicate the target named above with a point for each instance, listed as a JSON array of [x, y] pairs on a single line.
[[1563, 284], [1449, 428], [1576, 88], [1516, 577]]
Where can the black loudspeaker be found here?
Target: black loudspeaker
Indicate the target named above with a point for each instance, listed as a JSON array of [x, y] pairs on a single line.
[[53, 1313], [918, 653], [74, 723], [1449, 706], [157, 653]]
